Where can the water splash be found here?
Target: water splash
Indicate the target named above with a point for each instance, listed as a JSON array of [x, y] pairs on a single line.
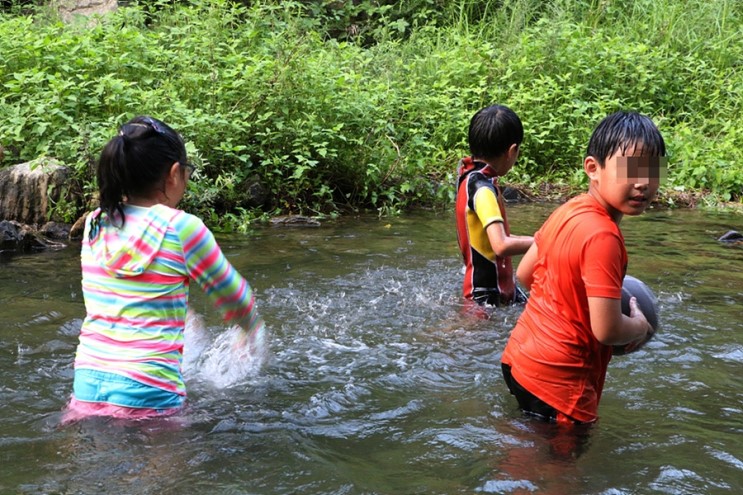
[[225, 360]]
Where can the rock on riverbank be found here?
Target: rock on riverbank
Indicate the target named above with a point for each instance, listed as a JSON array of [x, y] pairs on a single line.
[[30, 195]]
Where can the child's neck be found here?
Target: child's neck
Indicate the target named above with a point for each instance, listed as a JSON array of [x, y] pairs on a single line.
[[482, 160], [615, 215], [498, 166]]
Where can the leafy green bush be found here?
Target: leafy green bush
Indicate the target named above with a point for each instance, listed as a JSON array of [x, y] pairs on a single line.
[[329, 122]]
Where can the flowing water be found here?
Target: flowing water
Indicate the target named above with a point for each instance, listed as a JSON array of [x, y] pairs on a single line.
[[377, 380]]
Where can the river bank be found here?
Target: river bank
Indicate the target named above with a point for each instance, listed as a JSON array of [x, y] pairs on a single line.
[[375, 117]]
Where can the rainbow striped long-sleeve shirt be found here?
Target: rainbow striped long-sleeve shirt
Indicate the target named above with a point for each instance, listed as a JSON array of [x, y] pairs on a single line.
[[135, 285]]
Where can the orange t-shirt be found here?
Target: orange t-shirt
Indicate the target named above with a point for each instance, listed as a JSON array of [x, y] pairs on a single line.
[[552, 350]]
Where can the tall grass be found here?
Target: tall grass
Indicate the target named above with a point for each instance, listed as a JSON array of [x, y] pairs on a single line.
[[329, 122]]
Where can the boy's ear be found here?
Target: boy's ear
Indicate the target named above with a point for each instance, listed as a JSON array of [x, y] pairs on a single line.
[[513, 150], [591, 167]]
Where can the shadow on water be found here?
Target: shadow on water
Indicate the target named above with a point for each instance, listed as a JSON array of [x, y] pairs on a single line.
[[377, 379]]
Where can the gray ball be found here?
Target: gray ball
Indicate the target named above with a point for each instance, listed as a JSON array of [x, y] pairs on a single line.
[[647, 301]]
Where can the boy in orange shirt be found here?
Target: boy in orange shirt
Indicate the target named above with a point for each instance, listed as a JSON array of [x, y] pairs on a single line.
[[484, 236], [556, 357]]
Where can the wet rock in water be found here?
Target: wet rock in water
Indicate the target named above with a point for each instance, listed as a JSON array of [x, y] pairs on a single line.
[[28, 194], [78, 228], [9, 234], [513, 195], [294, 221], [15, 236], [731, 236], [55, 231]]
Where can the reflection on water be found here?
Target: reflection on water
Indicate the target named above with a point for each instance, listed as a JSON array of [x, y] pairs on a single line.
[[377, 379]]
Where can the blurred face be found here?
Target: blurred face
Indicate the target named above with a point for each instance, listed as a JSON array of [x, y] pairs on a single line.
[[641, 169], [627, 182]]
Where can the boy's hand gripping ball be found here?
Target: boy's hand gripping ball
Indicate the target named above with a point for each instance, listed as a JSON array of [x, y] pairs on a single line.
[[648, 304]]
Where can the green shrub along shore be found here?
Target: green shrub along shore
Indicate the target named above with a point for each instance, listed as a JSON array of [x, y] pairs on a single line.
[[350, 106]]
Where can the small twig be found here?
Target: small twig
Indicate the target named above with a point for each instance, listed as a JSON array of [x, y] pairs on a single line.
[[397, 160]]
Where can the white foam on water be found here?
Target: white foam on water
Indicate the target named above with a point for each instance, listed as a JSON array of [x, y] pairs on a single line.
[[196, 338], [226, 359]]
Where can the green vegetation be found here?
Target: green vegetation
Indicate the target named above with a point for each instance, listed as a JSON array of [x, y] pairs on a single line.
[[353, 105]]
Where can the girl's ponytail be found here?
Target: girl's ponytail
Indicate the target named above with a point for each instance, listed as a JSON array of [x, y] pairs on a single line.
[[111, 175]]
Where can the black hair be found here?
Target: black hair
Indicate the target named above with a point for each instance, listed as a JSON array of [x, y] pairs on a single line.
[[493, 130], [135, 163], [622, 130]]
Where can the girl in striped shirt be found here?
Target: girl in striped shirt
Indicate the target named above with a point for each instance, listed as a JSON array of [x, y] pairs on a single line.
[[139, 254]]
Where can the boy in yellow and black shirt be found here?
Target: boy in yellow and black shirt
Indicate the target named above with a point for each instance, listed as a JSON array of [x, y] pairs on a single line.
[[484, 236]]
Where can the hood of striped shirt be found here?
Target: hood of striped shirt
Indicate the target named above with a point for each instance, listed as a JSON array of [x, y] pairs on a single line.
[[127, 251]]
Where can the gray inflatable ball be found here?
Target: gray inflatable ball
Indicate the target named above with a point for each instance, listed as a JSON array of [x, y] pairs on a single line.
[[647, 301]]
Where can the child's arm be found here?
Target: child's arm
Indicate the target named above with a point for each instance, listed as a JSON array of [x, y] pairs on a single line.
[[507, 245], [525, 270], [611, 327], [485, 205], [207, 265]]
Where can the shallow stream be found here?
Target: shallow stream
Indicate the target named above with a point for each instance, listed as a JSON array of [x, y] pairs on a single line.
[[378, 381]]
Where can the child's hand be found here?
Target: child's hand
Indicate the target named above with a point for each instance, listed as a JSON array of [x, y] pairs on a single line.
[[248, 339], [636, 312], [240, 343]]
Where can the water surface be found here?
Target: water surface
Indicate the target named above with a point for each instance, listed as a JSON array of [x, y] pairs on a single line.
[[378, 380]]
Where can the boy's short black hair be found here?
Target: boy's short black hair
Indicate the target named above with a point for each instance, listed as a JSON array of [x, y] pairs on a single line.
[[493, 130], [622, 130]]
